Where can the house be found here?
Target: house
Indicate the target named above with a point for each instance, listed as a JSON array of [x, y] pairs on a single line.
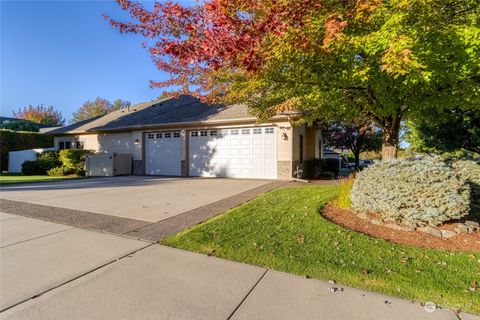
[[185, 137]]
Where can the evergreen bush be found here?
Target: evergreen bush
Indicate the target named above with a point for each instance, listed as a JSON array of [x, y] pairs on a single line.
[[74, 159], [415, 192], [469, 171]]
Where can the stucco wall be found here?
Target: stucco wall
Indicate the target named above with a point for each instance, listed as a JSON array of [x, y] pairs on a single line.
[[116, 142], [90, 140]]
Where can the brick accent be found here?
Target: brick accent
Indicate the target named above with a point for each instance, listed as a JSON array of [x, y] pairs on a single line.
[[284, 170], [138, 167]]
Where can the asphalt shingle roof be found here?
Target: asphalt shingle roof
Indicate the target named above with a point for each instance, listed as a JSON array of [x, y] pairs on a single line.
[[184, 109]]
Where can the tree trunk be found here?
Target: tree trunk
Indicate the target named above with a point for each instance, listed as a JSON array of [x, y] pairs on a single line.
[[356, 155], [391, 131]]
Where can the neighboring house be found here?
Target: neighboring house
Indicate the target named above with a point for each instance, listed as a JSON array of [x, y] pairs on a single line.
[[185, 137]]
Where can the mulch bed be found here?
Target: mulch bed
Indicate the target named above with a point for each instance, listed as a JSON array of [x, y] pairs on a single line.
[[348, 219]]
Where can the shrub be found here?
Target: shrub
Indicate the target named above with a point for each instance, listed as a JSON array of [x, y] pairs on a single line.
[[74, 159], [59, 171], [37, 167], [343, 200], [328, 168], [50, 156], [469, 171], [19, 140], [412, 191]]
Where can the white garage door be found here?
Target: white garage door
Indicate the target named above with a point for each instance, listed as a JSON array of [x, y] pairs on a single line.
[[163, 153], [236, 153]]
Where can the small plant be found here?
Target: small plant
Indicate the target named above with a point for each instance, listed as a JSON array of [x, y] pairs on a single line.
[[59, 171], [74, 159], [343, 200], [412, 191], [37, 167]]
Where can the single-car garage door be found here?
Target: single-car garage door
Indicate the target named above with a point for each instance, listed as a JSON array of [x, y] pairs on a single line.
[[163, 153], [236, 153]]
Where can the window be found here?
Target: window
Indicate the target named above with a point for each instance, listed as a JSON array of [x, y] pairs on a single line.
[[159, 135], [268, 130], [79, 144], [245, 131], [194, 133], [176, 134], [234, 132], [61, 145], [168, 135], [257, 131], [301, 148], [223, 133], [213, 133], [203, 133], [151, 136]]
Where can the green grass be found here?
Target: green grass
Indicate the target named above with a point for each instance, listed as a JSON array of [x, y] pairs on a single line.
[[11, 178], [283, 230]]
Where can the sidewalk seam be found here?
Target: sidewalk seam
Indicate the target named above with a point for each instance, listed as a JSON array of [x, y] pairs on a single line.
[[42, 236], [75, 278], [246, 296]]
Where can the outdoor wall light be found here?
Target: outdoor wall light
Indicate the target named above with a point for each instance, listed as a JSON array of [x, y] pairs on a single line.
[[284, 133], [137, 141], [284, 136]]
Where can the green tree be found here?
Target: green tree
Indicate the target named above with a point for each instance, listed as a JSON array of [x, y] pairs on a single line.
[[389, 60], [47, 116], [97, 107], [449, 131]]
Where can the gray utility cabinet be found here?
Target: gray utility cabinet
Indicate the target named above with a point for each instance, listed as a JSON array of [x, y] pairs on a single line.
[[108, 164]]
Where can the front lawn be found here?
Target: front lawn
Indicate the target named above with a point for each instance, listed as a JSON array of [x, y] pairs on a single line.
[[10, 178], [283, 230]]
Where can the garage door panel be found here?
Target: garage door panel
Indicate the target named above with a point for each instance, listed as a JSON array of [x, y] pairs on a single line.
[[242, 153], [163, 152]]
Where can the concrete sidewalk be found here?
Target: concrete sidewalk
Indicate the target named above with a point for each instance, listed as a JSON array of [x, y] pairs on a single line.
[[61, 272]]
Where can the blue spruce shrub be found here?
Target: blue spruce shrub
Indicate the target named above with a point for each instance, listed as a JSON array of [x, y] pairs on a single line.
[[469, 171], [415, 192]]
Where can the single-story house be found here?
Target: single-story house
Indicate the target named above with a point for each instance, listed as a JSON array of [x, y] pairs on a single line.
[[185, 137]]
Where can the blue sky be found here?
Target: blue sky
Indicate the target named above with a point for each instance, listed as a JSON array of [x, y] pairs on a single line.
[[62, 53]]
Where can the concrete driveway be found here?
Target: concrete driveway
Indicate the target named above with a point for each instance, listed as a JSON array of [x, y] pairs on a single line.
[[143, 198]]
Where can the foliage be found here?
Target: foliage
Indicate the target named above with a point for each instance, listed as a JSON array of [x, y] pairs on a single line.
[[327, 168], [343, 200], [98, 107], [37, 167], [388, 60], [357, 136], [19, 125], [50, 155], [47, 116], [18, 140], [59, 171], [268, 232], [449, 131], [469, 171], [74, 159], [412, 191]]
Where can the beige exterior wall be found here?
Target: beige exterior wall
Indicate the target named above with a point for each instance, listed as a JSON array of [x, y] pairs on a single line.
[[90, 140], [121, 142]]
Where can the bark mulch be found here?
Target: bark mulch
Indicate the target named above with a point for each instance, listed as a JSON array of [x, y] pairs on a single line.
[[348, 219]]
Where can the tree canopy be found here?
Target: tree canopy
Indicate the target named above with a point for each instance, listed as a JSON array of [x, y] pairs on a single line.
[[97, 107], [451, 131], [388, 60], [47, 116]]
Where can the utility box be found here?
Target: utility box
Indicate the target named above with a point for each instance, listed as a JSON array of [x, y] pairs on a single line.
[[108, 164]]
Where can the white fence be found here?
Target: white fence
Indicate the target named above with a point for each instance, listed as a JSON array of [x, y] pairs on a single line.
[[108, 164], [17, 158]]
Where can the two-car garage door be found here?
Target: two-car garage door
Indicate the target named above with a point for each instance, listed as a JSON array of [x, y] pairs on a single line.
[[235, 152]]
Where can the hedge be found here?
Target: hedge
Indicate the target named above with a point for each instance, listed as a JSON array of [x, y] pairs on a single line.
[[21, 140]]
